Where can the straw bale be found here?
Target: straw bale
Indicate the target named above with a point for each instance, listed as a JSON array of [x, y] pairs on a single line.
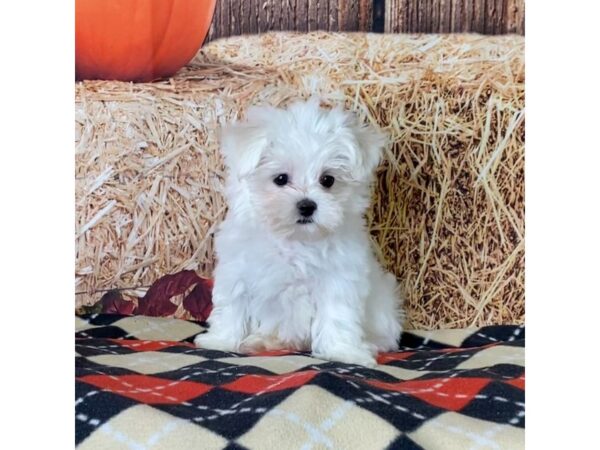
[[448, 210]]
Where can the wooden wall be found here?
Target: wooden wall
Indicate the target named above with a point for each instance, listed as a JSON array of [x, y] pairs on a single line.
[[234, 17]]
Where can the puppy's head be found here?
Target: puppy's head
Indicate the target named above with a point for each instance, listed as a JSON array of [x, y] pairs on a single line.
[[301, 172]]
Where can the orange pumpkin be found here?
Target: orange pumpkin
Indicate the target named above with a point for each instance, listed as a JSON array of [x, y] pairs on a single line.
[[138, 40]]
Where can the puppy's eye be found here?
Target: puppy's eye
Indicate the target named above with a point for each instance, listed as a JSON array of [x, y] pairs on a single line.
[[281, 179], [326, 181]]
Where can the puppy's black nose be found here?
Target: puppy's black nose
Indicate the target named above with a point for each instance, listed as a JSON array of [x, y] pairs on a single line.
[[306, 207]]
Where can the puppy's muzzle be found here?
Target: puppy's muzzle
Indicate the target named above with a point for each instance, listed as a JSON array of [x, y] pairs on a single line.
[[306, 208]]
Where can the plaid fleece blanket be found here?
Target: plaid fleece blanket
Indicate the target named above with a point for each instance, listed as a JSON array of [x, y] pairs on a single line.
[[141, 384]]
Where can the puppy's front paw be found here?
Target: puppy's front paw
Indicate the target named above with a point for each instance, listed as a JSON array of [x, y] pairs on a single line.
[[213, 342], [257, 343], [349, 355]]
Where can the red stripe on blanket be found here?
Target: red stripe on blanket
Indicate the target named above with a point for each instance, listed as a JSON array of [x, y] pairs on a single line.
[[251, 384], [148, 346], [383, 358], [147, 389], [449, 393], [518, 382]]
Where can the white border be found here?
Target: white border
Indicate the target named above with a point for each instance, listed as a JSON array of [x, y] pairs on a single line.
[[37, 224], [562, 225]]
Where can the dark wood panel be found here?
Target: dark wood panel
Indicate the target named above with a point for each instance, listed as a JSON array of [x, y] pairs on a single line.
[[322, 15], [455, 16], [348, 15], [334, 17], [301, 16], [312, 15], [234, 17], [365, 15], [515, 16]]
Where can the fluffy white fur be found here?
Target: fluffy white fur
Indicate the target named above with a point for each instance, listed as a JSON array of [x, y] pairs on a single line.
[[304, 286]]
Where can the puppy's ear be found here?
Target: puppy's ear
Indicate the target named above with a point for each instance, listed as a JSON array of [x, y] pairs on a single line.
[[371, 142], [243, 143]]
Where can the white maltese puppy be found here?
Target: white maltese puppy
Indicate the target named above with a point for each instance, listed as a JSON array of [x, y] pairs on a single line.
[[295, 267]]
